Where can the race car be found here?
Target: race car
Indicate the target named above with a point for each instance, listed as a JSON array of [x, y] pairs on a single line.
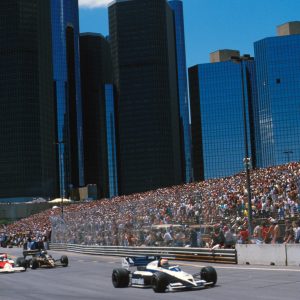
[[8, 265], [156, 272], [41, 258]]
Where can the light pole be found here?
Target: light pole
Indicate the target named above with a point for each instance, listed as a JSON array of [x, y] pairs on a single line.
[[247, 159], [61, 179], [198, 201]]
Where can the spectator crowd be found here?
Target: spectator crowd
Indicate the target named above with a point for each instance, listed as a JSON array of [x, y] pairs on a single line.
[[210, 213]]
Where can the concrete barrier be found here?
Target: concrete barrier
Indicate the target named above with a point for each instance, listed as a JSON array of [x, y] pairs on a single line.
[[293, 254], [264, 254]]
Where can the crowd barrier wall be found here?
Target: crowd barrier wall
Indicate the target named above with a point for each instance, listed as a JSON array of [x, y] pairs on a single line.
[[180, 253], [293, 254], [265, 254]]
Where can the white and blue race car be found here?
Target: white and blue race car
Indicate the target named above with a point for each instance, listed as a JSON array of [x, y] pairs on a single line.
[[156, 272]]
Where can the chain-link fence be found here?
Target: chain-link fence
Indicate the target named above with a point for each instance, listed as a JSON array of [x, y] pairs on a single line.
[[182, 215], [164, 220]]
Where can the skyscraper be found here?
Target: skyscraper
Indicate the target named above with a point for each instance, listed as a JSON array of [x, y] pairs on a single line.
[[278, 70], [98, 114], [185, 132], [222, 97], [27, 108], [143, 48], [66, 68]]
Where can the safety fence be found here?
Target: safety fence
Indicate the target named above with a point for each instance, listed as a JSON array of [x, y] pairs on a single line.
[[228, 256]]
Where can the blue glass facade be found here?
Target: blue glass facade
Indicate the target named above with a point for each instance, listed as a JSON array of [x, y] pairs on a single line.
[[219, 115], [111, 141], [278, 73], [177, 8], [66, 69]]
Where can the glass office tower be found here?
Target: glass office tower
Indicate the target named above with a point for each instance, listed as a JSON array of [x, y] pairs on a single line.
[[177, 7], [27, 110], [66, 68], [98, 114], [278, 73], [222, 95], [142, 39], [111, 140]]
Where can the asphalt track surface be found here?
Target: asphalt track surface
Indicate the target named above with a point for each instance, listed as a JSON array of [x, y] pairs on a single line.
[[89, 277]]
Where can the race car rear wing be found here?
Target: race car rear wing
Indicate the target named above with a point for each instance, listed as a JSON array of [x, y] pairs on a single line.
[[137, 261], [31, 252]]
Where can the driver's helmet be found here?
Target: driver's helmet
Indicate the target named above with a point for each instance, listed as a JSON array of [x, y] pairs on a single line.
[[43, 252], [3, 256], [164, 263]]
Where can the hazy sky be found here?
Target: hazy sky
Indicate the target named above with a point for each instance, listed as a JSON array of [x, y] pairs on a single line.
[[211, 25]]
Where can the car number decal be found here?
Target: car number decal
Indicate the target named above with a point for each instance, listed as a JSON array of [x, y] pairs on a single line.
[[139, 281]]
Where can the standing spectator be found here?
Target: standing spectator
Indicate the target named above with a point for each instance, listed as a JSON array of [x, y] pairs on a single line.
[[289, 236], [297, 238], [273, 233], [193, 238], [244, 235], [179, 237], [229, 237], [168, 239], [217, 237], [159, 238], [257, 233], [264, 231], [276, 233]]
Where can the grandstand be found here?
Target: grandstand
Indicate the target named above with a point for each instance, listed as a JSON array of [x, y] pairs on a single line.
[[133, 220]]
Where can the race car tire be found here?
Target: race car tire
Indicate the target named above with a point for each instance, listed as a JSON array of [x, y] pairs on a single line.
[[120, 278], [64, 261], [21, 262], [28, 261], [209, 274], [159, 282], [34, 264]]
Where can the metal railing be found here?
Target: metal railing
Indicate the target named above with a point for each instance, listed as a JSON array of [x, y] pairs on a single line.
[[228, 256]]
